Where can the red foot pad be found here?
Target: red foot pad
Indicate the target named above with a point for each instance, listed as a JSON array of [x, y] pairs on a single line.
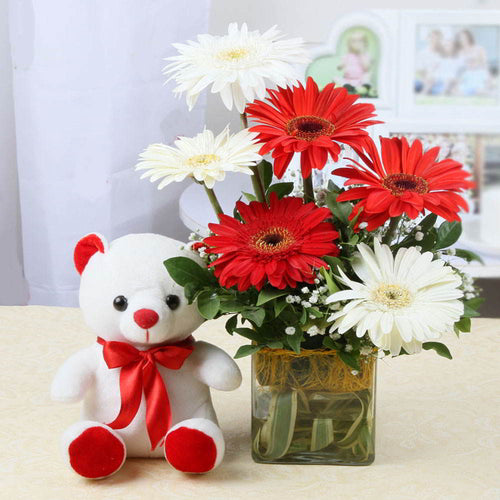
[[96, 453], [190, 450]]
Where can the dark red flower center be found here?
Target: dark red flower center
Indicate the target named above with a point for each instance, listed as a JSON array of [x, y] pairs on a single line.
[[400, 183], [272, 240], [309, 128]]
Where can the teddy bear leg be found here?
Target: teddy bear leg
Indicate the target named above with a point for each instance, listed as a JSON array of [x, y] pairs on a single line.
[[93, 450], [194, 446]]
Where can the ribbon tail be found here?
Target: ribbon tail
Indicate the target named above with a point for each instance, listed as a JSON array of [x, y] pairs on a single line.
[[158, 414], [131, 394]]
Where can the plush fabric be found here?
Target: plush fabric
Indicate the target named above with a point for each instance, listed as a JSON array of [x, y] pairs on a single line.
[[190, 450], [85, 248], [132, 268], [96, 453]]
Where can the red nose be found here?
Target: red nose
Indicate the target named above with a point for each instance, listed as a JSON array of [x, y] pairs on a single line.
[[146, 318]]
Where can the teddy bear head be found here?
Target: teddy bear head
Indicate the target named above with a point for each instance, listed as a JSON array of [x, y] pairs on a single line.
[[126, 293]]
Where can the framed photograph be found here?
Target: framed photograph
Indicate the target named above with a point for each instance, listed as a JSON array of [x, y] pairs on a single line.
[[356, 56], [450, 66]]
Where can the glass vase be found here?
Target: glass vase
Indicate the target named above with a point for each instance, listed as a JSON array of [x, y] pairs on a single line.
[[311, 408]]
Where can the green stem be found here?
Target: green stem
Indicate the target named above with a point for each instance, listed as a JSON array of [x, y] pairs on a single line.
[[308, 189], [391, 230], [213, 200], [258, 185]]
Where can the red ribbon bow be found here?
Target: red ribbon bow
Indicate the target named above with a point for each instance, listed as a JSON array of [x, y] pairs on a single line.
[[139, 372]]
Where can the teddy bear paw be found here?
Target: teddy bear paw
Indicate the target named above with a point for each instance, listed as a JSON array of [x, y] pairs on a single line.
[[194, 446], [94, 450]]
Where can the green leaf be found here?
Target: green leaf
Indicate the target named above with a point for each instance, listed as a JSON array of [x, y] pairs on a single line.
[[183, 271], [333, 187], [429, 240], [340, 210], [441, 349], [230, 305], [316, 313], [332, 286], [277, 344], [279, 307], [266, 173], [427, 222], [475, 303], [280, 188], [275, 437], [249, 196], [257, 316], [349, 359], [353, 240], [463, 325], [329, 342], [303, 317], [208, 304], [247, 350], [333, 262], [295, 340], [267, 294], [448, 234], [468, 255], [471, 307], [231, 324], [248, 333], [322, 433], [191, 290]]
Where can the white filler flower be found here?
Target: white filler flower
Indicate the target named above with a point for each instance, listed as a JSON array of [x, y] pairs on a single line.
[[204, 157], [237, 65], [402, 301]]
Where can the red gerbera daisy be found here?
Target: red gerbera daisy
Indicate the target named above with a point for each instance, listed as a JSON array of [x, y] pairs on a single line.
[[279, 243], [310, 122], [406, 180]]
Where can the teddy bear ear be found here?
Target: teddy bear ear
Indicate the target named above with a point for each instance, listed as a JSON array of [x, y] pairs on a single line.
[[87, 247]]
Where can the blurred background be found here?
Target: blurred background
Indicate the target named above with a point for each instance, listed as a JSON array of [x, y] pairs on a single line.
[[82, 94]]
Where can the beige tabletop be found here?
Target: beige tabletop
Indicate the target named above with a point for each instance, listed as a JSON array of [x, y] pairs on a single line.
[[437, 426]]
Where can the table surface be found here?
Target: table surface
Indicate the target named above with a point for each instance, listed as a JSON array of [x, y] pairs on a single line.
[[437, 426]]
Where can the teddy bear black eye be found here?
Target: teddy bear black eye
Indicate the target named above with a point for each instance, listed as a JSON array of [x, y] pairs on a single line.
[[173, 301], [120, 303]]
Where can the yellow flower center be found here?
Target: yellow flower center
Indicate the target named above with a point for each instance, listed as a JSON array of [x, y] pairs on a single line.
[[232, 54], [201, 160], [392, 296], [272, 240]]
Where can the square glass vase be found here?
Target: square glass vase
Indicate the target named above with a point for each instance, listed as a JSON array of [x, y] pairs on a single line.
[[311, 408]]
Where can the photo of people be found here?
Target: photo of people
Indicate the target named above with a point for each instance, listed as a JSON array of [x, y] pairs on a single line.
[[354, 65], [457, 65]]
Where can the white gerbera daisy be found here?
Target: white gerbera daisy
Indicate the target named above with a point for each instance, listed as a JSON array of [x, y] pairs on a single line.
[[204, 157], [237, 65], [403, 300]]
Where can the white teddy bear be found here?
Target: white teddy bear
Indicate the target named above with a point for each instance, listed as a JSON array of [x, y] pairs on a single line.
[[145, 382]]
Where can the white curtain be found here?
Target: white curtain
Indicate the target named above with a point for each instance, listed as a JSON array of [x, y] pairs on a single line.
[[12, 284], [89, 96]]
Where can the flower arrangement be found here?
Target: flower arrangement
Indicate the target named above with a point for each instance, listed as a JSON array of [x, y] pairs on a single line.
[[325, 280]]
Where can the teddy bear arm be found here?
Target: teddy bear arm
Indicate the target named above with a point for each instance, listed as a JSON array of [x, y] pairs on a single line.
[[74, 377], [214, 367]]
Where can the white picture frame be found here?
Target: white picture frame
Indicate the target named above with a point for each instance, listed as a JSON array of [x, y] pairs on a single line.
[[449, 117]]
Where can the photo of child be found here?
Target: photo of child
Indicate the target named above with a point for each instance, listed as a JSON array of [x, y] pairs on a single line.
[[457, 65], [354, 64]]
